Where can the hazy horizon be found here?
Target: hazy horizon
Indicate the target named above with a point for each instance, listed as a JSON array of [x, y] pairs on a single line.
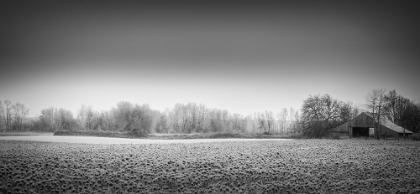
[[240, 56]]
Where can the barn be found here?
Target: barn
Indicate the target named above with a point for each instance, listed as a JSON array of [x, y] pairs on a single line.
[[362, 126]]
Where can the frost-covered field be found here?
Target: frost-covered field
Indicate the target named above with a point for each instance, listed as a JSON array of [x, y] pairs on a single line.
[[297, 166], [112, 140]]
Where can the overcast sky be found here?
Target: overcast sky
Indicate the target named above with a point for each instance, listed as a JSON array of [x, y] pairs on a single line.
[[240, 56]]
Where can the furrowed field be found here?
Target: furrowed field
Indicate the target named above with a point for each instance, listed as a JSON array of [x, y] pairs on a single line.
[[296, 166]]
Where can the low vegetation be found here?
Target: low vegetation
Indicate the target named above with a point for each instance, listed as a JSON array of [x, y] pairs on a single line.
[[298, 166], [94, 133], [170, 136]]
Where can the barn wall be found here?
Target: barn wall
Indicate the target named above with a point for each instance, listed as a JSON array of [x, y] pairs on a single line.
[[340, 135], [362, 120], [350, 130]]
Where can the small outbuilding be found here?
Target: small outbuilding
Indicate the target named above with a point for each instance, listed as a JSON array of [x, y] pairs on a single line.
[[363, 126]]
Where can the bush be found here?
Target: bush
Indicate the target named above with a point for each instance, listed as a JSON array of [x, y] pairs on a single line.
[[335, 136], [267, 133], [224, 135], [138, 133], [415, 137], [93, 133]]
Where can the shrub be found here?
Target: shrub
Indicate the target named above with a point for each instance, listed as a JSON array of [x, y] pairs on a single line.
[[138, 133], [415, 137], [224, 135], [335, 136], [267, 133]]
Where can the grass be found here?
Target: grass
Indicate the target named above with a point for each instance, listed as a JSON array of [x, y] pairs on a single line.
[[216, 136], [95, 134], [298, 166]]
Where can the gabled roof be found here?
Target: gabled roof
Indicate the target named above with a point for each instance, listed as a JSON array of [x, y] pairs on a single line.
[[394, 127], [385, 122], [390, 125]]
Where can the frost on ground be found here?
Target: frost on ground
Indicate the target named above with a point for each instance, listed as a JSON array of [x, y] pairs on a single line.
[[298, 166], [112, 140]]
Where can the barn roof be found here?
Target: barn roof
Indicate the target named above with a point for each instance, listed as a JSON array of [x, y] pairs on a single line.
[[390, 125], [386, 123], [394, 127], [336, 128]]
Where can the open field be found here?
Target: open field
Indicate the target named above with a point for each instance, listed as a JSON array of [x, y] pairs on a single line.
[[295, 166], [113, 140], [172, 136], [219, 136]]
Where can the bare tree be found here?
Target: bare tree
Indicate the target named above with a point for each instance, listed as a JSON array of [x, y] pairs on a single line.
[[355, 111], [270, 120], [81, 120], [96, 120], [249, 125], [142, 120], [225, 116], [319, 114], [312, 110], [346, 112], [85, 117], [331, 110], [20, 112], [124, 116], [175, 118], [67, 121], [375, 101], [8, 104], [162, 124], [284, 115], [236, 122], [291, 118], [391, 105], [108, 120], [381, 102], [262, 123], [47, 118], [185, 113], [136, 119], [216, 122], [90, 117], [279, 124], [296, 123], [2, 118], [202, 115], [409, 115], [194, 114]]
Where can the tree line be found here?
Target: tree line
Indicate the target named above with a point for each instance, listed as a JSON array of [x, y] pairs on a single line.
[[318, 115], [126, 116]]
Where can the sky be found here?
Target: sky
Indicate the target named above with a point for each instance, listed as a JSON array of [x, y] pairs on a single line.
[[240, 56]]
